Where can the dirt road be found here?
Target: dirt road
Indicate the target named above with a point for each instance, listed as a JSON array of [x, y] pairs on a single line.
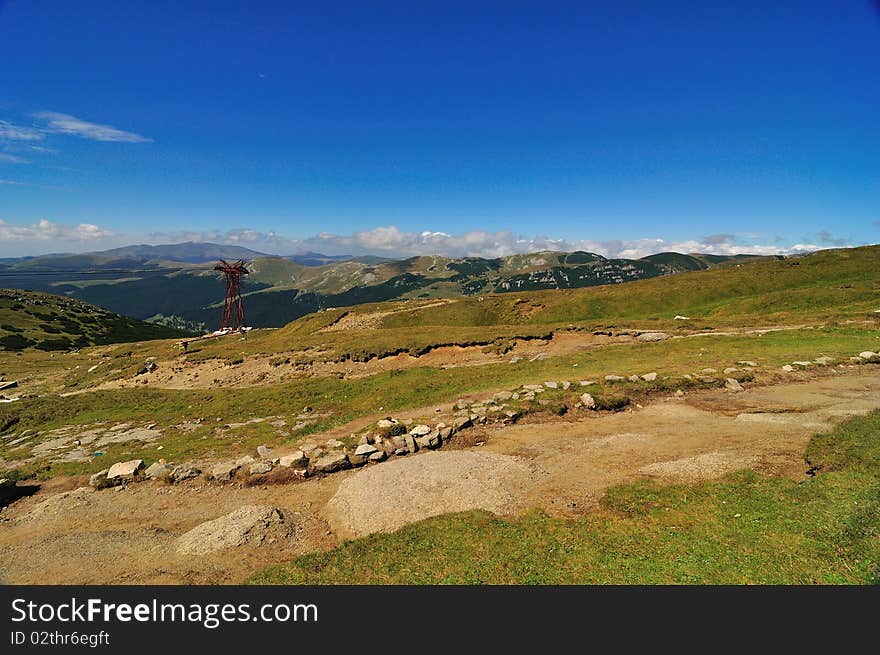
[[128, 535]]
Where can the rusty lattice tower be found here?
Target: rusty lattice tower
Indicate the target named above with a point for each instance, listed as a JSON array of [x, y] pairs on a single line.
[[233, 308]]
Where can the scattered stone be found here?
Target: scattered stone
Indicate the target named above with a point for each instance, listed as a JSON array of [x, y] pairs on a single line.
[[729, 370], [411, 445], [707, 379], [652, 336], [420, 431], [366, 439], [158, 471], [148, 367], [856, 360], [633, 378], [870, 357], [824, 361], [244, 460], [746, 362], [332, 462], [251, 525], [679, 393], [614, 378], [378, 456], [708, 371], [551, 385], [566, 384], [649, 377], [333, 443], [802, 364], [99, 480], [295, 459], [732, 384], [679, 317], [400, 452], [264, 452], [385, 423], [588, 401], [788, 368], [540, 357], [503, 396], [587, 383], [515, 360], [446, 432], [124, 470]]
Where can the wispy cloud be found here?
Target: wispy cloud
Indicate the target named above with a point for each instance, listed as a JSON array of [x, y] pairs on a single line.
[[13, 183], [58, 123], [12, 159], [11, 132]]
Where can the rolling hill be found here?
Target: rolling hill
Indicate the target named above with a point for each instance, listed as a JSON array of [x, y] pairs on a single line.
[[175, 285], [43, 321]]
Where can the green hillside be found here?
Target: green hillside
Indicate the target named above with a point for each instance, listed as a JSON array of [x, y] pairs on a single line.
[[43, 321]]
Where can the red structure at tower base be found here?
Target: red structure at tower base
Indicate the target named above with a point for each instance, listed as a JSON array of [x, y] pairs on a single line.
[[233, 308]]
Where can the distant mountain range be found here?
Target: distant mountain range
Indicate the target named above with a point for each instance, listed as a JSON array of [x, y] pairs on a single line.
[[176, 285]]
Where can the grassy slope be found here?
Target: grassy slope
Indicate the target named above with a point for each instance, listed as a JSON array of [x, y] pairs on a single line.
[[394, 390], [49, 322], [745, 529]]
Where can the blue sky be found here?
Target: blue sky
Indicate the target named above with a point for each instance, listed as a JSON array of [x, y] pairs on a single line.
[[459, 127]]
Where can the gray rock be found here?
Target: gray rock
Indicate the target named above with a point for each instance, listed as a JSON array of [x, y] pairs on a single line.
[[333, 443], [244, 460], [398, 442], [401, 452], [462, 423], [802, 364], [332, 462], [729, 370], [633, 378], [652, 336], [566, 385], [870, 356], [731, 384], [588, 401], [708, 371], [707, 379], [264, 452], [386, 423], [224, 470], [366, 439], [551, 385], [158, 471], [649, 377], [183, 472], [365, 449], [587, 383], [503, 396], [788, 368], [420, 431], [824, 361], [251, 525], [258, 468], [378, 456], [747, 362], [515, 360], [614, 378], [295, 459], [411, 445], [446, 433], [125, 469]]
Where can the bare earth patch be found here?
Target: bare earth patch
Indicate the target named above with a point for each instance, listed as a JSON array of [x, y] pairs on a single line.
[[384, 498]]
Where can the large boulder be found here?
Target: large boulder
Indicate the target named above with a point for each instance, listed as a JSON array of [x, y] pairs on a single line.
[[125, 470], [361, 454], [420, 430], [224, 470], [251, 525], [183, 472]]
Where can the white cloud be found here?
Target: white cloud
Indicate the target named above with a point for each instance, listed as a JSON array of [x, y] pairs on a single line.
[[389, 241], [12, 159], [56, 233], [58, 123]]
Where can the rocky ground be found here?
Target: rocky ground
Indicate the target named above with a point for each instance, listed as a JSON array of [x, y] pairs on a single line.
[[157, 532]]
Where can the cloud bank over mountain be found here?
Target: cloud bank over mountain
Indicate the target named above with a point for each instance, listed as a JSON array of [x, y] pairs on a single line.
[[46, 236]]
